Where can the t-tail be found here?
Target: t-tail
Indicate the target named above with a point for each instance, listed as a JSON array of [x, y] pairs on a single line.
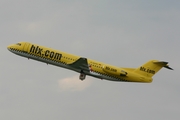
[[150, 68]]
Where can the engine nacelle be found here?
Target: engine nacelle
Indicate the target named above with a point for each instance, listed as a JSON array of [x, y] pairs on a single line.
[[114, 71]]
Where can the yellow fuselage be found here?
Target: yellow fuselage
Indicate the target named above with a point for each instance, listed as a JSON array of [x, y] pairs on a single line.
[[62, 59]]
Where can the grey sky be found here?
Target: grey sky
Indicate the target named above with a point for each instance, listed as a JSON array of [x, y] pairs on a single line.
[[122, 33]]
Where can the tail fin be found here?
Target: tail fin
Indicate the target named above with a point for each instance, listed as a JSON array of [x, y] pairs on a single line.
[[150, 68]]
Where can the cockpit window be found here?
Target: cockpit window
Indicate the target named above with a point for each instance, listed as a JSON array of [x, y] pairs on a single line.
[[18, 44]]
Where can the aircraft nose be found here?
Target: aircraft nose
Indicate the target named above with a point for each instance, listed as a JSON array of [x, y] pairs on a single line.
[[9, 47]]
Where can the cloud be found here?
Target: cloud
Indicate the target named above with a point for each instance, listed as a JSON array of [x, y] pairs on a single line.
[[73, 84], [38, 27]]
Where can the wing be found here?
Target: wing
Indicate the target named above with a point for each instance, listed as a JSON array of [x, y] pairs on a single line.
[[81, 64]]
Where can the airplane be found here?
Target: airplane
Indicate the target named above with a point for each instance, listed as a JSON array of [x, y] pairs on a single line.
[[89, 67]]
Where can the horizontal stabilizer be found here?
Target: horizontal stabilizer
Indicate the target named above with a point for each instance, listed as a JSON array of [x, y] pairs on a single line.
[[164, 64], [167, 66]]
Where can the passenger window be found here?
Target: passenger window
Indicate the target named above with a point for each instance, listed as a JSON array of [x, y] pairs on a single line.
[[18, 44]]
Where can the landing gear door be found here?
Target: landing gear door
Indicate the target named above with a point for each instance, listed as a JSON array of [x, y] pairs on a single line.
[[26, 47]]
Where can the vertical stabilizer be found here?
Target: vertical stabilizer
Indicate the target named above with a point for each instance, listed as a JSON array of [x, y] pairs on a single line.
[[150, 68]]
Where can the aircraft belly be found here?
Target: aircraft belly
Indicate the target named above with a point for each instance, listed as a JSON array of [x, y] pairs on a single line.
[[48, 61], [93, 74]]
